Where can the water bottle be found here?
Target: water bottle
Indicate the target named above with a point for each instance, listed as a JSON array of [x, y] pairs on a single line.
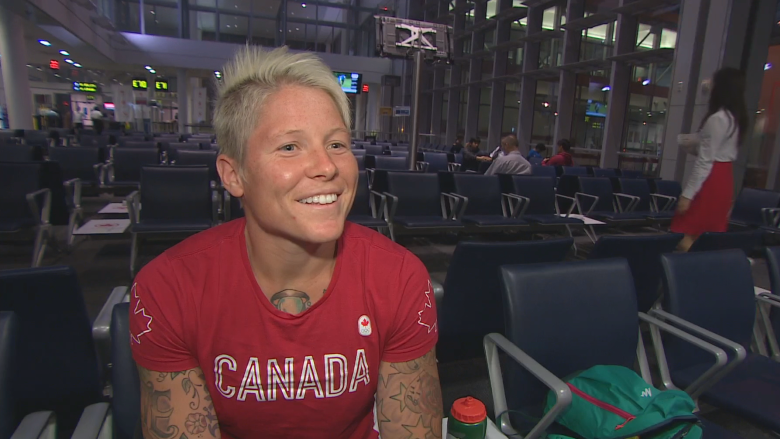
[[468, 419]]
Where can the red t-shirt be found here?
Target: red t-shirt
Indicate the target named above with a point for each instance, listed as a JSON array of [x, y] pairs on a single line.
[[272, 374]]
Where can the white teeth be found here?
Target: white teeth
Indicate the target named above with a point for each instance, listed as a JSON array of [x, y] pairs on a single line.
[[320, 199]]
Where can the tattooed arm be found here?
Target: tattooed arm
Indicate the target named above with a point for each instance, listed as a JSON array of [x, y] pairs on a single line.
[[408, 399], [176, 405]]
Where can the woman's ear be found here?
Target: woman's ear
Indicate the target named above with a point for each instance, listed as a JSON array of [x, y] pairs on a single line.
[[229, 172]]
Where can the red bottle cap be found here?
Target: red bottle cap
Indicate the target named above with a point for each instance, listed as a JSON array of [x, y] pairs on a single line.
[[469, 410]]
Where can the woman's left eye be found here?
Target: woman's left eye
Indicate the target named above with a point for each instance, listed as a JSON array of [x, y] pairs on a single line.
[[337, 146], [288, 148]]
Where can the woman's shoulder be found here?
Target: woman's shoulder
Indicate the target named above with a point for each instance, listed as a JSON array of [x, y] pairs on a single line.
[[371, 242]]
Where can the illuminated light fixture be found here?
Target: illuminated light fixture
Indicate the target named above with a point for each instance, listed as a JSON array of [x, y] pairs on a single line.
[[303, 5], [77, 64], [64, 53], [767, 66], [28, 65], [606, 88], [365, 88], [556, 113], [544, 104], [646, 82], [44, 43], [69, 61], [152, 71], [148, 67]]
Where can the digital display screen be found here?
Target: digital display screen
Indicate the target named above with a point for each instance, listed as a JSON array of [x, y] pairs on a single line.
[[596, 109], [350, 82], [88, 87], [139, 84], [161, 85], [109, 106]]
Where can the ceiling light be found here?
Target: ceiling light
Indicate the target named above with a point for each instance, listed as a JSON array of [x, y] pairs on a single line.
[[606, 88], [303, 5], [39, 69], [767, 66], [646, 82], [77, 64], [69, 61], [29, 66], [44, 43], [64, 53], [148, 67], [544, 104], [152, 71]]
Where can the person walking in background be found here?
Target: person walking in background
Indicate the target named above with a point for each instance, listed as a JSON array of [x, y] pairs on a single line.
[[537, 152], [708, 194], [97, 119], [510, 161], [458, 145], [563, 157]]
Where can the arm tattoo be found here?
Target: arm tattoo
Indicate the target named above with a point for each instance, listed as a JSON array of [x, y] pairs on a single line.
[[162, 418], [409, 399], [291, 301]]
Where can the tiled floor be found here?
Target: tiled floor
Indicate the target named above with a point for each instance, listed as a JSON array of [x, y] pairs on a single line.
[[103, 263]]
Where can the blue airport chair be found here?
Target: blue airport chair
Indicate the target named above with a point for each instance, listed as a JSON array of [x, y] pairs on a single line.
[[711, 296], [361, 162], [365, 210], [403, 154], [544, 204], [359, 152], [170, 149], [604, 172], [483, 205], [575, 170], [171, 199], [186, 157], [665, 194], [374, 149], [747, 241], [19, 153], [545, 171], [471, 304], [596, 199], [415, 203], [57, 366], [643, 254], [536, 161], [232, 207], [628, 173], [78, 162], [645, 202], [388, 163], [123, 141], [435, 162], [751, 206], [125, 169], [25, 205], [589, 314]]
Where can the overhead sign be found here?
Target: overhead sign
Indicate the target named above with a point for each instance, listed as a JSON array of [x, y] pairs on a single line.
[[161, 85], [385, 111], [365, 88], [402, 111], [88, 87], [139, 84], [397, 36], [54, 64]]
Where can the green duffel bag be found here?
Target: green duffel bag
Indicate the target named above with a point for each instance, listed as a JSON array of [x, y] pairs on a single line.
[[613, 402]]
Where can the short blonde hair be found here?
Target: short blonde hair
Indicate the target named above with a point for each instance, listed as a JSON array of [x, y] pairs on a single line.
[[254, 74]]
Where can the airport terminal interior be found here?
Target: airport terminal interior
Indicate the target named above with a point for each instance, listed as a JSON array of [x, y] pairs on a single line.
[[103, 104]]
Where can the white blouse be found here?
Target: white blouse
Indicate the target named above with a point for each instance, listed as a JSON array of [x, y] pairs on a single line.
[[717, 142]]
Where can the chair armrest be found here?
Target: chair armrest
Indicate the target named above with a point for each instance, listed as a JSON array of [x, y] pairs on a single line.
[[572, 205], [517, 209], [101, 328], [669, 202], [73, 190], [453, 167], [772, 301], [578, 196], [736, 348], [133, 207], [39, 203], [632, 202], [771, 216], [457, 205], [41, 425], [390, 207], [423, 166], [492, 343], [96, 422], [377, 211], [705, 380], [98, 168]]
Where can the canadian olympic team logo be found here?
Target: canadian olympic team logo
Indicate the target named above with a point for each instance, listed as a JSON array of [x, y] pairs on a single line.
[[364, 325]]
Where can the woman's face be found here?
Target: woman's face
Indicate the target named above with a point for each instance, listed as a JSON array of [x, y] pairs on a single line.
[[300, 172]]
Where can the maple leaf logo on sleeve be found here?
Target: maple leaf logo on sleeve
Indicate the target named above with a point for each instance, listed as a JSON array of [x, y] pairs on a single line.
[[139, 309], [426, 316]]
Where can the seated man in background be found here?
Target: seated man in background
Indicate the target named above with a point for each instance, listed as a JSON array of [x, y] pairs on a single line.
[[472, 156], [511, 161], [458, 145], [563, 157], [537, 152], [289, 322]]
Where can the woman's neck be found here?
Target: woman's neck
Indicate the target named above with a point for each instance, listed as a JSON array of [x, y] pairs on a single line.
[[280, 262]]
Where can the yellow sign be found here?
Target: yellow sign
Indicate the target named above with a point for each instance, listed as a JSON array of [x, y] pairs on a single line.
[[87, 87], [385, 111], [161, 85], [139, 84]]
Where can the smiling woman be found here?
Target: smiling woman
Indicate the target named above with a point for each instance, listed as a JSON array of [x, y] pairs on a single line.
[[291, 298]]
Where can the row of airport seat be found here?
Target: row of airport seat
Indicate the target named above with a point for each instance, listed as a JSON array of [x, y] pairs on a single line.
[[551, 317]]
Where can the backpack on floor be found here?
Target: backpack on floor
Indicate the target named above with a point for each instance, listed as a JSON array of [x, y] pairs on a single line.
[[613, 402]]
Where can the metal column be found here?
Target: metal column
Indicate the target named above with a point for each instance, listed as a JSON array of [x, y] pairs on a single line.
[[498, 90], [14, 66], [527, 92], [568, 79], [453, 99], [418, 65], [475, 74], [619, 96], [181, 97]]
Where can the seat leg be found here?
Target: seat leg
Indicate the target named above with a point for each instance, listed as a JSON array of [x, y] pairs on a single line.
[[73, 223], [392, 232], [133, 254], [37, 247]]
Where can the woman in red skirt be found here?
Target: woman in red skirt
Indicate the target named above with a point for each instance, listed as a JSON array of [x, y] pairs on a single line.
[[708, 194]]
